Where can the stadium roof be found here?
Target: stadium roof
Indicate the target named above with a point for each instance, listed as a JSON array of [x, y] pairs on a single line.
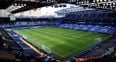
[[30, 4], [45, 12]]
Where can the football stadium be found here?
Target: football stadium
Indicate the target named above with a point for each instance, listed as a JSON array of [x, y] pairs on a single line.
[[58, 30]]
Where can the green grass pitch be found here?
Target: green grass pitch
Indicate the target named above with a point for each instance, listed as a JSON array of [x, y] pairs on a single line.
[[62, 42]]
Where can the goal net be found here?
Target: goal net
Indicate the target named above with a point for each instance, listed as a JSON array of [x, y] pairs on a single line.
[[46, 49], [98, 40]]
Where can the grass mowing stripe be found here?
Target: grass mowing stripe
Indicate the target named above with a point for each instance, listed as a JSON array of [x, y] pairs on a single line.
[[71, 36], [82, 32], [39, 39], [64, 31], [54, 37], [43, 37], [70, 43], [57, 48], [33, 38], [65, 43], [67, 33], [69, 46], [60, 31], [58, 39]]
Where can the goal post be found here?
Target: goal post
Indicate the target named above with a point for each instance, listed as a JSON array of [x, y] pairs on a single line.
[[46, 49], [98, 40], [40, 45]]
